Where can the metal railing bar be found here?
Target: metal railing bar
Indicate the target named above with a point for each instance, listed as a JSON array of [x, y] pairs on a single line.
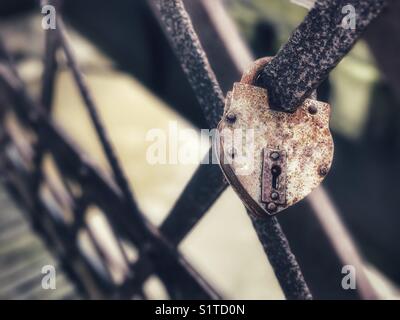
[[183, 38], [203, 189], [46, 98], [49, 72], [178, 217], [282, 259], [99, 127], [50, 66], [321, 206], [325, 211], [109, 152], [210, 19], [49, 228], [168, 263], [325, 49], [179, 30]]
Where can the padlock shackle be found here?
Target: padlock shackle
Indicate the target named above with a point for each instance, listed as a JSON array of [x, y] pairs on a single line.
[[250, 76]]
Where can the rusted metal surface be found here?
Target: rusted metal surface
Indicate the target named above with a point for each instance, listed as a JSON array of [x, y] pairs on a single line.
[[187, 47], [292, 282], [314, 49], [212, 16], [176, 23], [271, 236], [321, 277], [302, 139], [273, 177]]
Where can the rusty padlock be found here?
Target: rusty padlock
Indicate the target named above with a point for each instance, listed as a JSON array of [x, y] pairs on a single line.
[[272, 159]]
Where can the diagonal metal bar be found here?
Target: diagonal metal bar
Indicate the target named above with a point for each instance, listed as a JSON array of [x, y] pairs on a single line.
[[182, 221], [214, 25], [341, 241], [196, 199], [281, 258], [50, 69], [203, 189], [184, 40], [168, 263], [46, 96], [317, 45], [101, 132], [52, 45], [179, 29], [109, 152], [219, 28]]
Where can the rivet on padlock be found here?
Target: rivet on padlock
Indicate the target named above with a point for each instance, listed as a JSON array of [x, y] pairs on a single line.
[[291, 152]]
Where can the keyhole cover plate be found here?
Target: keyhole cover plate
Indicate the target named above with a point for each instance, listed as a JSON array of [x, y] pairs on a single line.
[[249, 127]]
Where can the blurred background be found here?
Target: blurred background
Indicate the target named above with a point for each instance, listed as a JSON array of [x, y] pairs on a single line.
[[138, 85]]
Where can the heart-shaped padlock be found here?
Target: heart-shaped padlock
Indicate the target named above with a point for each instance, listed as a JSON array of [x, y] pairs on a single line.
[[272, 159]]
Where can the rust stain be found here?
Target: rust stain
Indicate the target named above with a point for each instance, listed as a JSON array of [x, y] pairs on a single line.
[[303, 136]]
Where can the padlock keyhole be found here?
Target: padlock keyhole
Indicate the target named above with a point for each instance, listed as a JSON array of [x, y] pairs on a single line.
[[275, 172]]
